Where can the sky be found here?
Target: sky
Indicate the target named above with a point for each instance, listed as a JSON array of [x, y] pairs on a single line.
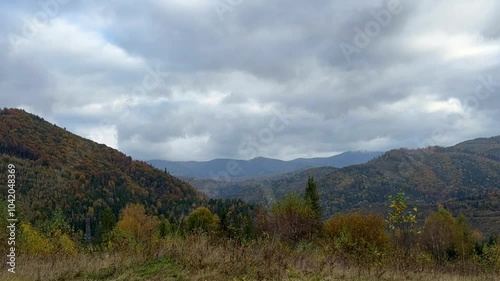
[[205, 79]]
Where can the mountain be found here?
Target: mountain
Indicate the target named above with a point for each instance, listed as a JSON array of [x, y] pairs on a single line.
[[464, 178], [260, 166], [262, 190], [57, 170]]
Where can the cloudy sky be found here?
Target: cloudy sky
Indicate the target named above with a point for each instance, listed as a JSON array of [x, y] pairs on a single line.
[[202, 79]]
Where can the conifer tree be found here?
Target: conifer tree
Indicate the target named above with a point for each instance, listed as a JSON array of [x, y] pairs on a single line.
[[312, 197], [106, 225]]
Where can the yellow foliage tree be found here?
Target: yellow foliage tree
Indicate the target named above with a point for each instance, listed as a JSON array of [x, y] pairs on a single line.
[[33, 243], [66, 245], [135, 225], [402, 222]]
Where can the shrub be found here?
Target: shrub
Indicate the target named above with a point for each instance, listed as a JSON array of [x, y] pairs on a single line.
[[489, 254], [357, 237], [292, 219]]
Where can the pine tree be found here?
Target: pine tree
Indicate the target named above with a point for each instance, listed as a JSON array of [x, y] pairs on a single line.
[[312, 197], [106, 225]]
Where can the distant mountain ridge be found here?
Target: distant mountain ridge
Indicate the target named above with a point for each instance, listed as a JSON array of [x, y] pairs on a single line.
[[464, 178], [260, 166]]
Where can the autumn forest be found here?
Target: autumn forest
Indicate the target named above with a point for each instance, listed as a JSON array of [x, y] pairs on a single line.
[[89, 212]]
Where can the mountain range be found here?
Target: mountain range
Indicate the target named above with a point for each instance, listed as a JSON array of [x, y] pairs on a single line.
[[57, 170], [232, 169], [464, 178]]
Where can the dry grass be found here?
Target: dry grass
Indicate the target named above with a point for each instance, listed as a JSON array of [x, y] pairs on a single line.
[[203, 258]]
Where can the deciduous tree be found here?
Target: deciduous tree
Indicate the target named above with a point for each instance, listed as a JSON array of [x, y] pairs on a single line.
[[202, 220], [292, 219]]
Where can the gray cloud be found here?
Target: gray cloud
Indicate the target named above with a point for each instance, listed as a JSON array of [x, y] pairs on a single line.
[[173, 80]]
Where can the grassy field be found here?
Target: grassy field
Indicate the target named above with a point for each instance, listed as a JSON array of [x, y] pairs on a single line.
[[199, 258]]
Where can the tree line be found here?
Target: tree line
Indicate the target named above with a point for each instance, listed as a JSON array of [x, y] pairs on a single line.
[[360, 239]]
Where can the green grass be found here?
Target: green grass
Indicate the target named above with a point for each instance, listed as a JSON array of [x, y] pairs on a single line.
[[166, 268], [163, 269], [103, 274]]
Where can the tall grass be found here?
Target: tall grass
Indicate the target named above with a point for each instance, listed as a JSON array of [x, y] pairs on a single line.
[[200, 257]]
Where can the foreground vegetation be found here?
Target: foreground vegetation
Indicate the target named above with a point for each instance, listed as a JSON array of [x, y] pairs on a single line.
[[290, 242], [87, 212], [200, 257]]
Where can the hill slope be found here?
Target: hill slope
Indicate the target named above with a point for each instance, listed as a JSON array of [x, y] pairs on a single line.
[[465, 178], [259, 166], [57, 170]]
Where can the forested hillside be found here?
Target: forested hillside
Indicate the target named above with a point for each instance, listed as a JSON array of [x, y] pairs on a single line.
[[464, 178], [60, 171], [89, 212]]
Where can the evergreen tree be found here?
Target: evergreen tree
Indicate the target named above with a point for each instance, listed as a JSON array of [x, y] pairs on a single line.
[[312, 197], [106, 225]]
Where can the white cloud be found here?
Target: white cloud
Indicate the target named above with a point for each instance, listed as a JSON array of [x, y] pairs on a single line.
[[226, 79], [104, 134]]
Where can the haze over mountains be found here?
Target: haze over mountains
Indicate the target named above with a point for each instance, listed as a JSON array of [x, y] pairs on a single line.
[[237, 169]]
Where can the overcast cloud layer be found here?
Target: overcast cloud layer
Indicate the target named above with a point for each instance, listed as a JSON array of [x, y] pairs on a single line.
[[203, 79]]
